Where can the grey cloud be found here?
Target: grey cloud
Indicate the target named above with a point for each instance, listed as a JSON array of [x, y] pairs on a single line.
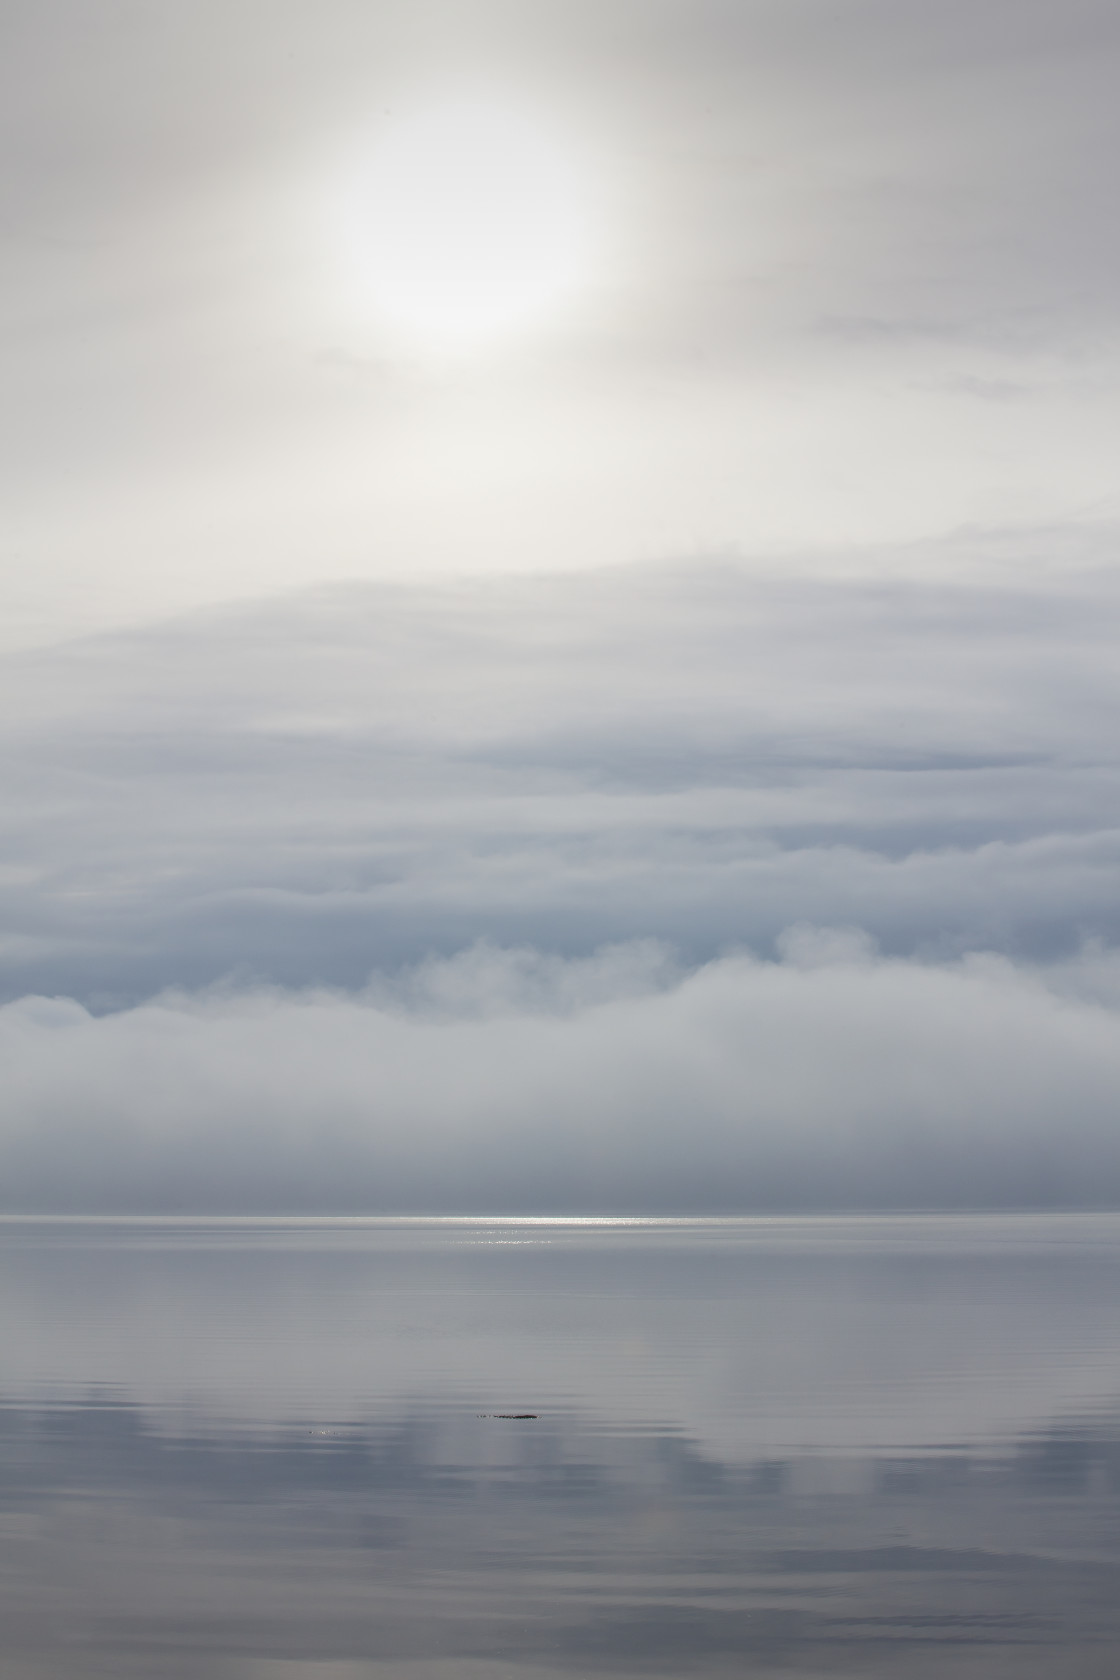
[[503, 1081], [309, 789]]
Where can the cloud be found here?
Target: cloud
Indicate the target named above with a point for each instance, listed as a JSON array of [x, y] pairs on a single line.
[[351, 778], [512, 1080], [831, 229]]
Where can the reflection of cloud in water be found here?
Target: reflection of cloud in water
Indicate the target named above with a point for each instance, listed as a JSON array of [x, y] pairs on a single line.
[[754, 1337], [245, 1451], [433, 1535]]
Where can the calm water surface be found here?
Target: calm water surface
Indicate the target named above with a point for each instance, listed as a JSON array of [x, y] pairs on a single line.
[[272, 1449]]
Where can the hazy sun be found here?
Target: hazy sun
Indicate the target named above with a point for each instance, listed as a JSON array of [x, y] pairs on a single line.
[[475, 222]]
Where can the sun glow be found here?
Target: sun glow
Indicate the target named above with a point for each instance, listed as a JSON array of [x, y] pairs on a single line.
[[473, 223]]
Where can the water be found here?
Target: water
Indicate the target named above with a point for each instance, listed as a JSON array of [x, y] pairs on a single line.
[[269, 1449]]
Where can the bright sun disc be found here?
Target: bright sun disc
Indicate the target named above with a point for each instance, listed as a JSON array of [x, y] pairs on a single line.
[[476, 223]]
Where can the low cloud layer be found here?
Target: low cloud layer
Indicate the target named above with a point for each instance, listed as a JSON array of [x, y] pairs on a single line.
[[510, 1080]]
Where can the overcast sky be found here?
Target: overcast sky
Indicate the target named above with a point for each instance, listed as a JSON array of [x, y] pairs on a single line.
[[655, 748]]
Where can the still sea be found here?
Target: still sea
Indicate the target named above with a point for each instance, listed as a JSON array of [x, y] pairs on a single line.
[[505, 1449]]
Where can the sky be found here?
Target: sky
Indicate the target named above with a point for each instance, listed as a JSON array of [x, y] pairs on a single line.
[[557, 605]]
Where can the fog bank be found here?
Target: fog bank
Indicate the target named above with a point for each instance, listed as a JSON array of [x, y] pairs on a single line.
[[507, 1080]]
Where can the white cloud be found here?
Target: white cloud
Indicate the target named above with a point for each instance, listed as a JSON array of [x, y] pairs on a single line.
[[832, 243], [510, 1080]]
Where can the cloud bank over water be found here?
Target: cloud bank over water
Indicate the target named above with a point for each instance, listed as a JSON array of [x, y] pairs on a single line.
[[509, 1080], [601, 843]]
